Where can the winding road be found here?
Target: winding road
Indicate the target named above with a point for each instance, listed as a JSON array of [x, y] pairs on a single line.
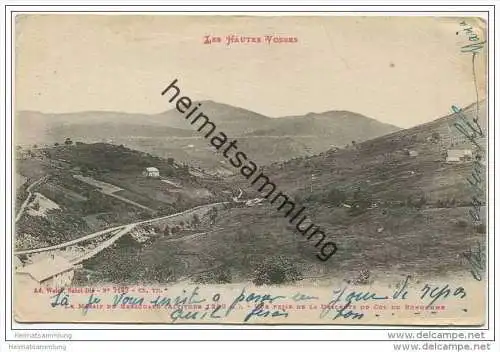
[[103, 245], [123, 229]]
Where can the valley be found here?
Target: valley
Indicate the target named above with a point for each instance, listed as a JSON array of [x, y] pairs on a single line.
[[168, 134], [395, 205]]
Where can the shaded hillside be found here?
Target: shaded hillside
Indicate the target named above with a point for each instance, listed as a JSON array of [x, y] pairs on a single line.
[[96, 186], [339, 127], [103, 157], [388, 211], [110, 132], [94, 125], [384, 167], [36, 128], [391, 212], [169, 135], [233, 120]]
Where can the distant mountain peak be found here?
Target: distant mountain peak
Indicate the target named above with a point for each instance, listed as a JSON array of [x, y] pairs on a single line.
[[334, 114]]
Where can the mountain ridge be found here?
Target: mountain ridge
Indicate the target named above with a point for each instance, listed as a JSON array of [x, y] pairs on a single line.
[[269, 139]]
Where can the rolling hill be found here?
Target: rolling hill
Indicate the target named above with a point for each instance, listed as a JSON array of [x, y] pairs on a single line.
[[168, 134], [340, 127], [389, 211], [387, 156], [99, 185], [233, 120]]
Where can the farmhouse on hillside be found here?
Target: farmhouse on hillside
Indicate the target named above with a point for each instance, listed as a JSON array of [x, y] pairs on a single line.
[[151, 172], [54, 271], [458, 155], [412, 153]]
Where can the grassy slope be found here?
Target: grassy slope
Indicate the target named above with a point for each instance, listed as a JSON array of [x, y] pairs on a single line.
[[169, 134], [81, 202], [395, 237]]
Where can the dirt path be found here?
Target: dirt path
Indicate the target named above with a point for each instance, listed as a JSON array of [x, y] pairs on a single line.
[[30, 194], [110, 189], [131, 202], [116, 228], [103, 245]]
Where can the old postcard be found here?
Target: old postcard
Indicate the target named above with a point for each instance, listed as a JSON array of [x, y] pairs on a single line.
[[250, 169]]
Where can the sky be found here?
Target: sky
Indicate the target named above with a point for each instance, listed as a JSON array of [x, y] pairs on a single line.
[[399, 70]]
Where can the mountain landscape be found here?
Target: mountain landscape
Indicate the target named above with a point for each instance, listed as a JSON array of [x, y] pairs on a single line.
[[168, 135], [392, 202], [388, 209]]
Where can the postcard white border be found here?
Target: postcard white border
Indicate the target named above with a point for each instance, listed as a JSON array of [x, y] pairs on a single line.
[[203, 332]]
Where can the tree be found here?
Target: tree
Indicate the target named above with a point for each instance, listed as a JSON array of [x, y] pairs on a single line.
[[68, 141], [276, 270], [196, 221], [56, 144], [221, 275], [213, 215], [185, 168], [175, 230], [170, 161], [162, 273]]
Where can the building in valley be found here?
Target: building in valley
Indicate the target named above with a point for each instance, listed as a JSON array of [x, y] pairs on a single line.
[[151, 172], [459, 155], [54, 271]]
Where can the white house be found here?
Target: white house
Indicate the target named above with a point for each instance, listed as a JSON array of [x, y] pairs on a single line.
[[459, 155], [54, 272], [151, 172]]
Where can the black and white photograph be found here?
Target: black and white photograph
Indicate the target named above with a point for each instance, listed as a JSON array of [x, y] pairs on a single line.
[[246, 169]]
